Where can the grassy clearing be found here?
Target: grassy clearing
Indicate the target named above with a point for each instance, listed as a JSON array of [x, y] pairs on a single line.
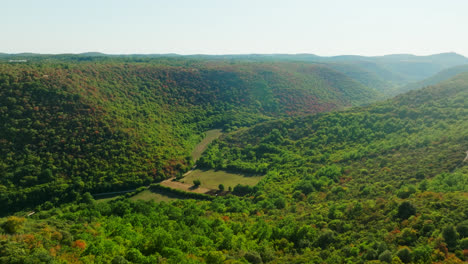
[[200, 147], [211, 179], [107, 199], [159, 196]]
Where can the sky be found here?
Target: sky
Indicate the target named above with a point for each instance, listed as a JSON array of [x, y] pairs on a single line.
[[322, 27]]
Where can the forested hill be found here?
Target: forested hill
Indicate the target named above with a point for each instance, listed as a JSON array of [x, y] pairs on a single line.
[[389, 177], [385, 73], [69, 127], [383, 183], [435, 79], [421, 133], [388, 74]]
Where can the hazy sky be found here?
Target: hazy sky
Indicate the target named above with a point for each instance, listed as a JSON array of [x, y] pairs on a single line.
[[325, 27]]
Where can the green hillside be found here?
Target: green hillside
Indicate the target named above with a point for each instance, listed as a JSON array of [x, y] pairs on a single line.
[[404, 137], [437, 78], [387, 73], [384, 73], [384, 183], [71, 127]]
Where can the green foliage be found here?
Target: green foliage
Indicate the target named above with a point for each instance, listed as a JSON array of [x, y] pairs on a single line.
[[450, 236], [464, 243], [386, 256], [447, 182], [405, 210], [13, 224], [181, 193], [71, 125], [196, 182], [382, 182], [405, 255]]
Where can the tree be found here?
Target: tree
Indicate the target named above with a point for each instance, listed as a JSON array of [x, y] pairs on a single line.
[[405, 255], [215, 257], [386, 256], [87, 198], [462, 229], [13, 224], [450, 236], [405, 210], [196, 183], [221, 187], [464, 243]]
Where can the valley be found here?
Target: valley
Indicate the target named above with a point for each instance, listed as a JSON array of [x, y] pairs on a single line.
[[296, 158]]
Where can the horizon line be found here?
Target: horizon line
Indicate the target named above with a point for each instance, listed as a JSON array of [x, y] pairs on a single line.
[[223, 54]]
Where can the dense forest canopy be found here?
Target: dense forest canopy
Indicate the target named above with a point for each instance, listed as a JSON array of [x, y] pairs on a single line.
[[69, 127], [347, 179]]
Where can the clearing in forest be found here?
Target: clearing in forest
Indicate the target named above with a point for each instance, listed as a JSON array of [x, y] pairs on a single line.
[[210, 135], [211, 179], [159, 196]]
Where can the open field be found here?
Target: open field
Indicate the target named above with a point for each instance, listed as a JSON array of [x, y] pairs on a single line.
[[107, 199], [159, 196], [187, 186], [200, 147], [211, 179]]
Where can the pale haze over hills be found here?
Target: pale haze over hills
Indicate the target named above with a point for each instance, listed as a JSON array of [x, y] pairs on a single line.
[[327, 28]]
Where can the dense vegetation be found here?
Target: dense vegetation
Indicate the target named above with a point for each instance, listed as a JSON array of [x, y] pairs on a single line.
[[71, 127], [388, 74], [435, 79], [383, 183]]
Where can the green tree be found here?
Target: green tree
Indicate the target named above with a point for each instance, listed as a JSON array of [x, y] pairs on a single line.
[[450, 236], [196, 183], [215, 257], [405, 210], [404, 254], [464, 243], [221, 187], [386, 256], [13, 224]]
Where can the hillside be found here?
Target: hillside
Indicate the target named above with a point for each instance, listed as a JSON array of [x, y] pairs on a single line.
[[435, 79], [71, 127], [385, 73], [431, 122], [384, 183]]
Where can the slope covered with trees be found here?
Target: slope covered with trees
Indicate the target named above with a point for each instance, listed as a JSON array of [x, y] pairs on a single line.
[[384, 183], [67, 127], [435, 79], [388, 74]]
